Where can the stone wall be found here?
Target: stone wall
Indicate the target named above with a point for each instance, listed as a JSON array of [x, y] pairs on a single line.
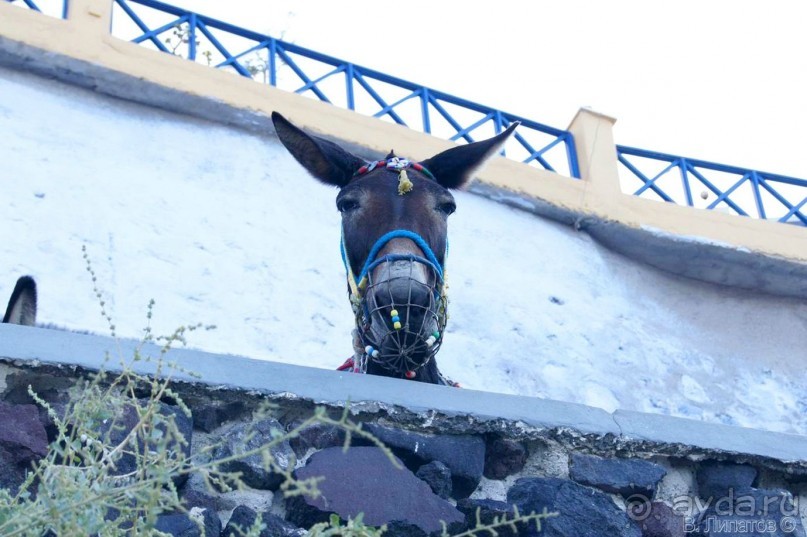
[[621, 474]]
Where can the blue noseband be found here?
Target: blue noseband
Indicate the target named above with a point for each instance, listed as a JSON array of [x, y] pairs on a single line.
[[371, 262]]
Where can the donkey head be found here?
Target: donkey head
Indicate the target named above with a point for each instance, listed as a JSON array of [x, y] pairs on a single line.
[[22, 304], [394, 244]]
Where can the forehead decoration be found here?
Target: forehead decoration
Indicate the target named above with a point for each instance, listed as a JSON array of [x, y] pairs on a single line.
[[405, 185]]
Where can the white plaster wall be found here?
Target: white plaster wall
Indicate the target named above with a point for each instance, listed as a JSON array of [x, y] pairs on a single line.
[[222, 226]]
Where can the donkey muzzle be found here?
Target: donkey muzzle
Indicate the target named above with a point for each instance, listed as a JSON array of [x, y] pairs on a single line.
[[405, 311]]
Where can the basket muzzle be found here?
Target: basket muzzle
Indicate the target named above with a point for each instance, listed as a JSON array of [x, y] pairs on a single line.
[[400, 305]]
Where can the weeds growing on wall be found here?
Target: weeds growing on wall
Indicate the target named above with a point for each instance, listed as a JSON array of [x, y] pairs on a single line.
[[117, 455]]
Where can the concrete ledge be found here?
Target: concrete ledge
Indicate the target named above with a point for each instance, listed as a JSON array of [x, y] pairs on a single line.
[[54, 347], [682, 435], [702, 259], [591, 428]]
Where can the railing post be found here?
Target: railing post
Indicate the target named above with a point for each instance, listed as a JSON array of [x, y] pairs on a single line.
[[91, 15], [349, 76], [596, 152], [192, 37], [424, 110], [272, 62]]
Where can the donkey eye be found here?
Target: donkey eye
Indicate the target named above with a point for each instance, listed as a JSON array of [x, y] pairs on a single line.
[[447, 207], [346, 205]]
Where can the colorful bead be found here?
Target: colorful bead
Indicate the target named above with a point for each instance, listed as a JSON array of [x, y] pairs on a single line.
[[395, 163], [396, 325], [410, 374], [394, 313], [396, 319], [436, 334], [430, 341]]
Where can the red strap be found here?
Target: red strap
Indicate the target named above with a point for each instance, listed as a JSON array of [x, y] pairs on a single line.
[[350, 364]]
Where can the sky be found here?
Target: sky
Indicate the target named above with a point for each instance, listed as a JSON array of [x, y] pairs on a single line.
[[723, 81]]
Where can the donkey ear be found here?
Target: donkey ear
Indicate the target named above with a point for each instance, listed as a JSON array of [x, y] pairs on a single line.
[[22, 304], [324, 160], [452, 168]]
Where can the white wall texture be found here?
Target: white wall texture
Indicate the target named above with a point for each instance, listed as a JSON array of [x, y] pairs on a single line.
[[222, 226]]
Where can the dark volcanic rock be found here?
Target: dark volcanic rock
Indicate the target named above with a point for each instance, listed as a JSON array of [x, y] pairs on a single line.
[[464, 455], [195, 493], [581, 510], [504, 457], [22, 441], [238, 441], [21, 432], [50, 388], [317, 436], [177, 524], [243, 518], [277, 527], [622, 476], [438, 476], [240, 522], [181, 524], [120, 429], [715, 479], [752, 512], [364, 480], [657, 519], [488, 510], [210, 414], [396, 528]]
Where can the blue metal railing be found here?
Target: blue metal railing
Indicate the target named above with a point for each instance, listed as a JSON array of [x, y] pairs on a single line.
[[54, 8], [742, 191], [360, 89]]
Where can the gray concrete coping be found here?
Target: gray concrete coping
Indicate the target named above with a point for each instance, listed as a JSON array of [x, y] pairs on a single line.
[[661, 429], [702, 260], [56, 347], [30, 347]]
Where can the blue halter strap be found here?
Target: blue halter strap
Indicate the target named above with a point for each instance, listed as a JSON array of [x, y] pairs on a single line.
[[371, 262], [357, 283]]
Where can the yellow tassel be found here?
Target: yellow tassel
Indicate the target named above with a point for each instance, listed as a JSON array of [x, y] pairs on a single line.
[[404, 184]]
